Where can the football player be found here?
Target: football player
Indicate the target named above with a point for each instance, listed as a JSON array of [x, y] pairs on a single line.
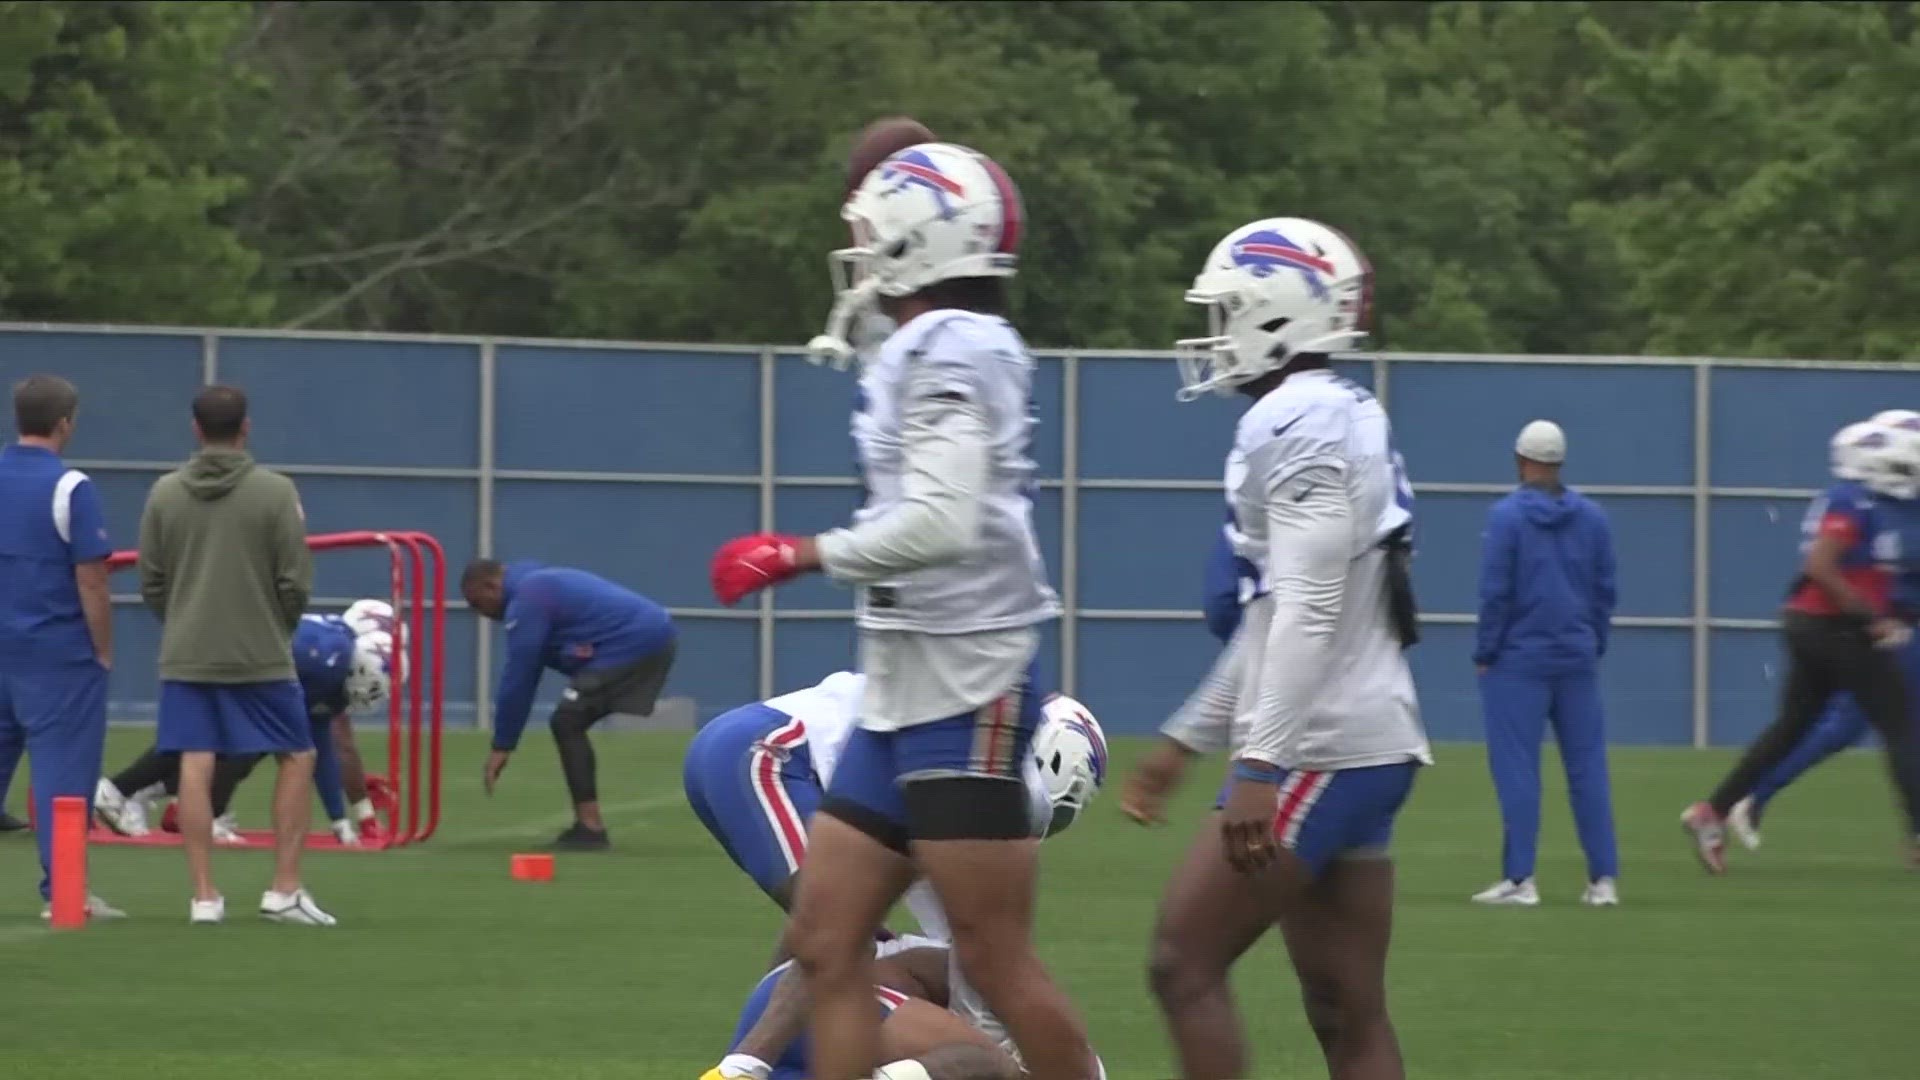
[[1313, 695], [340, 672], [952, 591], [1846, 622]]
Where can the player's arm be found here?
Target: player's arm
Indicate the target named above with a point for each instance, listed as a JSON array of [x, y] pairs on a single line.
[[1220, 600], [527, 628], [1606, 589], [947, 461], [153, 570], [1204, 722], [1838, 528], [1310, 532], [86, 536], [1496, 589], [293, 560]]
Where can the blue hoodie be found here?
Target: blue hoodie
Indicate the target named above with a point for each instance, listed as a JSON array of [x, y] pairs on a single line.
[[1546, 583], [570, 621], [1229, 582]]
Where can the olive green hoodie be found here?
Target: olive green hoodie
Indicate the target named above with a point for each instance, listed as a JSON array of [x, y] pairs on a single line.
[[224, 563]]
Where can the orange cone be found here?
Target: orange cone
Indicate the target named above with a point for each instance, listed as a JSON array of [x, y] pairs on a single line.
[[538, 867], [69, 884]]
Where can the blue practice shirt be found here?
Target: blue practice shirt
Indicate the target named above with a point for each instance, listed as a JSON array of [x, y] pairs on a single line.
[[50, 522], [322, 659], [570, 621]]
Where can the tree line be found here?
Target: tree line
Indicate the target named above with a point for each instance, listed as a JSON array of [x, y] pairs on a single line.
[[1668, 177]]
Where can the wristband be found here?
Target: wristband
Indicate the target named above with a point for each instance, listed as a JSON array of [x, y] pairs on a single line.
[[1257, 774]]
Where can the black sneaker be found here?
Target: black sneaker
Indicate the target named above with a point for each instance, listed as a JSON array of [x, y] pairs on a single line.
[[9, 823], [578, 837]]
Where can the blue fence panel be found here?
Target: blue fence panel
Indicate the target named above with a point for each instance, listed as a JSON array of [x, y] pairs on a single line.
[[1146, 549], [1744, 681], [318, 402], [1135, 672], [1755, 555], [1456, 422], [1771, 425], [135, 389], [627, 410]]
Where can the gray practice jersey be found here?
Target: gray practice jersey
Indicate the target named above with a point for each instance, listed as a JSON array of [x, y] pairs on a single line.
[[949, 575], [1315, 678]]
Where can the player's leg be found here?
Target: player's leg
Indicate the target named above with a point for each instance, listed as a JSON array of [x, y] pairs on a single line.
[[1873, 677], [64, 713], [13, 739], [1580, 730], [10, 754], [921, 1041], [191, 724], [1515, 707], [272, 717], [1208, 919], [750, 781], [633, 689], [969, 816], [770, 1037], [1333, 893], [1840, 726], [856, 868], [229, 772], [120, 801]]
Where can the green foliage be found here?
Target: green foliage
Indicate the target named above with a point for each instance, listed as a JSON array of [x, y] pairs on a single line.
[[1551, 177]]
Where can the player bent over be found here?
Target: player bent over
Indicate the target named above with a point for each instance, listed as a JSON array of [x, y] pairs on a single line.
[[952, 589], [614, 644], [339, 672], [1067, 766], [1329, 736]]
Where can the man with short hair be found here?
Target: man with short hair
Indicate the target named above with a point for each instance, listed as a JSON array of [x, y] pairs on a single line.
[[56, 612], [1546, 603], [224, 564], [614, 644]]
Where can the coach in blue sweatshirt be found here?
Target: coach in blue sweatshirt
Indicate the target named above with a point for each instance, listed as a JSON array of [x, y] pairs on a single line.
[[1546, 603], [616, 645]]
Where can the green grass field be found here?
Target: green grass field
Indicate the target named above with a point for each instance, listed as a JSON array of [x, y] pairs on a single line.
[[632, 965]]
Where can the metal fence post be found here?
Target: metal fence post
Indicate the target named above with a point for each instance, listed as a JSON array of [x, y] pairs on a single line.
[[769, 431], [483, 543], [1070, 523], [1702, 553]]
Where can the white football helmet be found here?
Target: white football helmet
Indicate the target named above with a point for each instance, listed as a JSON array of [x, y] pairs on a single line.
[[1843, 450], [374, 665], [929, 213], [369, 615], [1071, 752], [1274, 288], [1898, 418], [1889, 462]]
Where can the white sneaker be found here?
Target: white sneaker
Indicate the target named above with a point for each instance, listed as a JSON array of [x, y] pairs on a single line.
[[226, 830], [96, 909], [343, 831], [207, 912], [1509, 893], [119, 813], [296, 907], [1601, 893], [1745, 826]]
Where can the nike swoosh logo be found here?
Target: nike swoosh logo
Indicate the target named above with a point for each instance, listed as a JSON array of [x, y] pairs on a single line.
[[1304, 492], [1281, 430]]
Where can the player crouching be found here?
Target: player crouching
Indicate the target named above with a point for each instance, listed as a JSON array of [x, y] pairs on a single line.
[[344, 665]]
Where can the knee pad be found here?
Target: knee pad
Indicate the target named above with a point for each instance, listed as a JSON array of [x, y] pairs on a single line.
[[968, 808], [569, 721]]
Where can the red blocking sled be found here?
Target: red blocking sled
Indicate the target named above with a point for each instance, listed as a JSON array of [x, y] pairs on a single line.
[[407, 797]]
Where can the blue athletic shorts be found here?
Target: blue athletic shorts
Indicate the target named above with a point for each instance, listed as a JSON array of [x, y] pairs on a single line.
[[749, 777], [794, 1064], [1323, 816], [993, 741], [234, 718]]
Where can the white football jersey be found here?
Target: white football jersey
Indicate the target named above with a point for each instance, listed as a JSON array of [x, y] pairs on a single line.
[[1003, 584], [1316, 677]]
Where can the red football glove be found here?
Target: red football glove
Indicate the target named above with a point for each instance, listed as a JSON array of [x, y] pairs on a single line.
[[747, 564]]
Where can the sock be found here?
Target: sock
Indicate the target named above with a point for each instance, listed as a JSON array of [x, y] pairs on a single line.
[[363, 810], [149, 793], [902, 1070], [735, 1066]]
